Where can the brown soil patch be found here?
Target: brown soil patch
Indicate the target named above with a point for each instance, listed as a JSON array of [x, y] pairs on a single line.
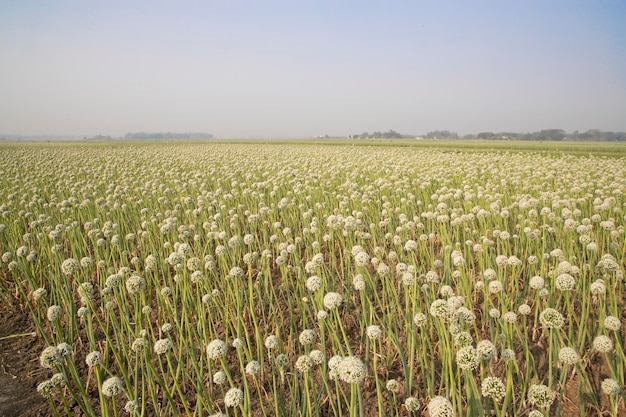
[[19, 365]]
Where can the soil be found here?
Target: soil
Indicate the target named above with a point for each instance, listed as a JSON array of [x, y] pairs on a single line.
[[19, 365]]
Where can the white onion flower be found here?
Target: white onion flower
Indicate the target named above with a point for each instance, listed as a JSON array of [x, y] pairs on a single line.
[[233, 397]]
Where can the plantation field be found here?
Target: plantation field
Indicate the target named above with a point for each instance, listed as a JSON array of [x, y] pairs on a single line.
[[312, 278]]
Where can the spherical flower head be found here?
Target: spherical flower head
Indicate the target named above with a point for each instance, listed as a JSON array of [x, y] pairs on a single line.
[[540, 395], [7, 257], [358, 282], [162, 346], [317, 356], [166, 328], [50, 357], [216, 349], [362, 259], [467, 358], [486, 350], [432, 277], [39, 294], [196, 277], [334, 362], [489, 274], [393, 386], [495, 287], [597, 287], [352, 370], [112, 387], [54, 313], [70, 266], [314, 283], [568, 356], [281, 360], [166, 291], [131, 406], [46, 388], [235, 272], [440, 308], [535, 413], [194, 264], [219, 378], [135, 284], [494, 313], [524, 309], [124, 272], [175, 258], [493, 387], [307, 337], [93, 359], [514, 261], [65, 349], [82, 312], [58, 380], [420, 319], [206, 298], [253, 368], [233, 397], [86, 262], [411, 404], [611, 387], [139, 345], [220, 251], [551, 319], [32, 257], [271, 342], [322, 314], [612, 323], [565, 282], [509, 317], [410, 245], [537, 282], [237, 343], [113, 281], [383, 270], [374, 332], [304, 363], [408, 279], [446, 291], [332, 300], [440, 407], [603, 344], [508, 355], [150, 263], [463, 339]]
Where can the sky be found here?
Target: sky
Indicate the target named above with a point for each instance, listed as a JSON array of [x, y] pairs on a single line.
[[243, 68]]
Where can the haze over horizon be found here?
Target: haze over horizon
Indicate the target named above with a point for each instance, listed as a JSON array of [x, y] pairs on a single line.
[[305, 68]]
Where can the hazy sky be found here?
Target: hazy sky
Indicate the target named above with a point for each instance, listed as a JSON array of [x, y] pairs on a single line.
[[302, 68]]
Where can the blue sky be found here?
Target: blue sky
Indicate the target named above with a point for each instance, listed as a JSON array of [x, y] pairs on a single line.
[[303, 68]]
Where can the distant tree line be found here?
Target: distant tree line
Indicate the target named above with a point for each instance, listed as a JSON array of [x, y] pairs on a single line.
[[390, 134], [542, 135], [168, 135], [99, 137], [441, 134]]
